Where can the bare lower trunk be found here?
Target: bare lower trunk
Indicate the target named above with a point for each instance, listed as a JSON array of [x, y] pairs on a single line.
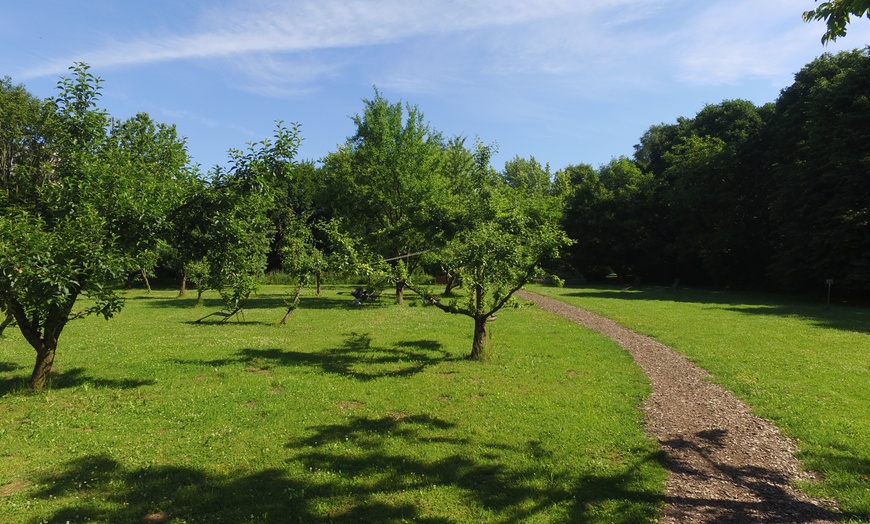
[[319, 278], [478, 345], [42, 334], [400, 292], [7, 322], [145, 278], [44, 361], [292, 307], [182, 290], [452, 282]]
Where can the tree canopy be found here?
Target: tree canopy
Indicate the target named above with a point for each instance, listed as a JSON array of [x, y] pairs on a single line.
[[769, 196], [837, 16], [772, 196], [82, 205], [387, 184], [511, 225]]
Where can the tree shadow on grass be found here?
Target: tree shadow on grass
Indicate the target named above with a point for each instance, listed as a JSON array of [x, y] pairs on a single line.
[[69, 379], [105, 491], [846, 472], [356, 358], [14, 383], [221, 320], [262, 301], [6, 367], [494, 478], [76, 377], [390, 469], [843, 318]]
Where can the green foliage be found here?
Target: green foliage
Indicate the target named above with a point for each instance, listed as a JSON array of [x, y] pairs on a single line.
[[227, 222], [822, 207], [608, 216], [837, 15], [23, 155], [81, 206], [740, 195], [386, 183], [155, 163], [511, 225], [301, 258]]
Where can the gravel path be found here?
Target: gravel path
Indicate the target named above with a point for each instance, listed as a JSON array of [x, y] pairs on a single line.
[[726, 465]]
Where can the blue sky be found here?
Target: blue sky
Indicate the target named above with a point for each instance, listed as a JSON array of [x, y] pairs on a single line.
[[565, 81]]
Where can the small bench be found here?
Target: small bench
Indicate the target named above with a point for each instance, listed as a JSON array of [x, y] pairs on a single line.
[[361, 295]]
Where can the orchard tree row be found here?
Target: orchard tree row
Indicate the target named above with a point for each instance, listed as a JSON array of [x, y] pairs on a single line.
[[86, 201], [776, 196]]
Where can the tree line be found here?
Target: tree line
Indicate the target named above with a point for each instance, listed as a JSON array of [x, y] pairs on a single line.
[[86, 201], [774, 196]]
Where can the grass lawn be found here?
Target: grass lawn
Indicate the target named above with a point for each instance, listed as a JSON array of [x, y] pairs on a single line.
[[368, 414], [802, 365]]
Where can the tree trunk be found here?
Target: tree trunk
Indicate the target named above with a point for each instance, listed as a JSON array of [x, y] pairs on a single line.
[[452, 282], [43, 336], [478, 345], [182, 290], [292, 307], [400, 292], [319, 278], [44, 361], [7, 322], [145, 278]]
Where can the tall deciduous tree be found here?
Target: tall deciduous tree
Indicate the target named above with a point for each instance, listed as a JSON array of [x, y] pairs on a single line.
[[148, 151], [822, 207], [68, 208], [609, 215], [387, 184], [707, 215]]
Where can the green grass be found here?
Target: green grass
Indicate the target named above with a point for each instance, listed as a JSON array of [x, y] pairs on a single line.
[[802, 365], [368, 414]]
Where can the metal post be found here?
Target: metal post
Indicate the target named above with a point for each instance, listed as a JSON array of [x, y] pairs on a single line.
[[829, 281]]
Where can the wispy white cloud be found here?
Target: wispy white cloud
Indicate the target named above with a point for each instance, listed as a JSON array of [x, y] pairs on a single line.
[[275, 26], [271, 26], [281, 48], [280, 75], [758, 39]]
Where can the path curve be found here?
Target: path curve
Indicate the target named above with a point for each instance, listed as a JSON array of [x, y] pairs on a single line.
[[726, 465]]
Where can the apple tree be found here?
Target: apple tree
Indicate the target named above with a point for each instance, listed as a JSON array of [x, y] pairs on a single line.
[[70, 204]]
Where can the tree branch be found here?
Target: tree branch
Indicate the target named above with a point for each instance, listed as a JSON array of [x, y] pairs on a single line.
[[435, 301], [31, 333], [523, 281]]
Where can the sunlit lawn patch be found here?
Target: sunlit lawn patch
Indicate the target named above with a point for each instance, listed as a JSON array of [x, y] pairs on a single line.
[[345, 414], [802, 365]]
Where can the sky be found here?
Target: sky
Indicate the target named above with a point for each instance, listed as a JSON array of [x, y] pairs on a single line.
[[564, 81]]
